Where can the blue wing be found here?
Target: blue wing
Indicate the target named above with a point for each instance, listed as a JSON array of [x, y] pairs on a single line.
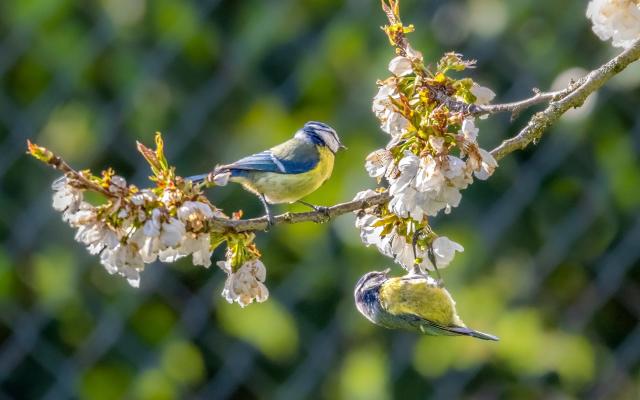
[[263, 161], [292, 157]]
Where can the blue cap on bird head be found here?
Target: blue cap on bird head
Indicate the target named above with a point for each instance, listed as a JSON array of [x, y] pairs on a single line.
[[321, 134], [371, 279]]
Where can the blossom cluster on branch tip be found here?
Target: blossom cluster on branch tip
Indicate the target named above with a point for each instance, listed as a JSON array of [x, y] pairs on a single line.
[[246, 284], [136, 228], [618, 20], [396, 237], [132, 227], [432, 154]]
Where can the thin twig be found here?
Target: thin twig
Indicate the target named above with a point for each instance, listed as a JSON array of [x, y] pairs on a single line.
[[540, 121], [517, 107], [61, 165]]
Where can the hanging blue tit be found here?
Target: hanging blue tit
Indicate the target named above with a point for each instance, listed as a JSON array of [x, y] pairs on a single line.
[[287, 172], [412, 302]]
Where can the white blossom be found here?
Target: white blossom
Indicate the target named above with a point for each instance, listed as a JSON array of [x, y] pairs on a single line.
[[160, 232], [84, 215], [618, 20], [391, 121], [488, 165], [148, 246], [93, 233], [469, 130], [483, 94], [194, 210], [200, 248], [169, 197], [369, 234], [425, 185], [437, 143], [429, 176], [168, 232], [378, 163], [246, 284], [123, 260], [391, 245], [409, 203], [456, 173], [399, 245], [444, 250], [408, 168], [143, 197], [400, 66], [365, 194], [395, 123], [196, 245], [402, 251], [65, 197], [172, 232], [118, 184], [97, 236]]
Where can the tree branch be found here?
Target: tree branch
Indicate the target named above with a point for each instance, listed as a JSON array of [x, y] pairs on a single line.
[[572, 97], [61, 165], [261, 224], [560, 102]]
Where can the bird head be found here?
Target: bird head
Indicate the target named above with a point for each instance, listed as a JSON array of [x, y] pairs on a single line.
[[321, 134], [366, 293]]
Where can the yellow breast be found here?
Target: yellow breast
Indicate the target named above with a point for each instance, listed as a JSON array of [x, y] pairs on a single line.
[[421, 298], [289, 188]]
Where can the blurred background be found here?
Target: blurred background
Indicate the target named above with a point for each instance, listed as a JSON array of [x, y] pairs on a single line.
[[552, 241]]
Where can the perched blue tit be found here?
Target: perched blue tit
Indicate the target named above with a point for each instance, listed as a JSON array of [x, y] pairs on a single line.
[[287, 172], [412, 302]]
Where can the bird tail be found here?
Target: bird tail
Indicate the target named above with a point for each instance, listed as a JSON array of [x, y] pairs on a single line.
[[459, 330], [220, 176], [197, 178]]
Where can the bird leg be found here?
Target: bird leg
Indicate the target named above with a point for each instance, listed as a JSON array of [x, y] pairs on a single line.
[[414, 245], [430, 254], [322, 209], [270, 220], [432, 258]]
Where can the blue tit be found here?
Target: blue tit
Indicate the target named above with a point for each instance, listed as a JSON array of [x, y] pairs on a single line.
[[412, 302], [287, 172]]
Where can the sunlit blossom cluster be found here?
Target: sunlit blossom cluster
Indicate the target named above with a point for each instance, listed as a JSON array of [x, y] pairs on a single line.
[[425, 176], [246, 284], [618, 20], [133, 227], [137, 229], [432, 155], [392, 238]]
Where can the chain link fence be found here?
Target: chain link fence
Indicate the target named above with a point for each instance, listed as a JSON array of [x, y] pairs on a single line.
[[551, 241]]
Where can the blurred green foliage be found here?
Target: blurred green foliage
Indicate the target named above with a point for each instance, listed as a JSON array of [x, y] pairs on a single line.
[[222, 79]]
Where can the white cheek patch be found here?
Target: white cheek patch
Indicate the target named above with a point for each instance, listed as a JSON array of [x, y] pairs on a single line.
[[330, 140]]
